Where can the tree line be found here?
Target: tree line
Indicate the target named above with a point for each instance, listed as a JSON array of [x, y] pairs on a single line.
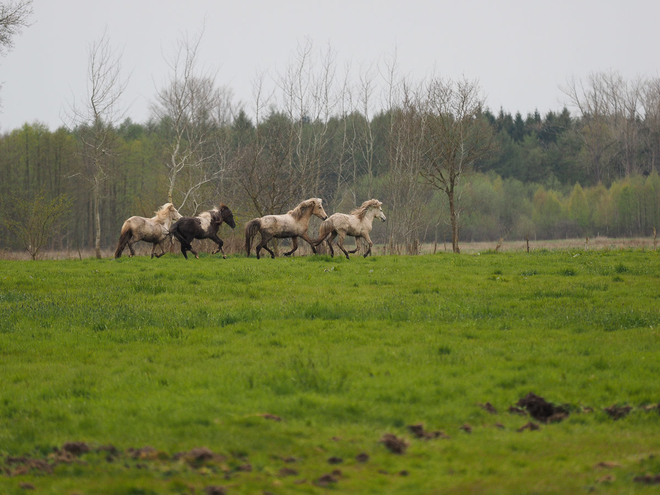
[[439, 159]]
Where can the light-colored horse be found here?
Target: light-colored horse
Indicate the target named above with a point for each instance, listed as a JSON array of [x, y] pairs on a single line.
[[154, 230], [292, 224], [357, 224]]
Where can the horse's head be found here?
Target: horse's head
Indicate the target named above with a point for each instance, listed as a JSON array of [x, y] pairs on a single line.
[[227, 216], [379, 210], [318, 209], [174, 213], [168, 212]]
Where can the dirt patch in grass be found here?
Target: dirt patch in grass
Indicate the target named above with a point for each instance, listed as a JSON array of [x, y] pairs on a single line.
[[648, 479], [618, 412], [76, 448], [418, 431], [542, 410], [394, 444]]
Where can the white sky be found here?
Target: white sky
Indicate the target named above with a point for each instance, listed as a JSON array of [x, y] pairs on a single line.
[[519, 51]]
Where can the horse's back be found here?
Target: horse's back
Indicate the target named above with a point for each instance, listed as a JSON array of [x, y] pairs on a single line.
[[145, 229]]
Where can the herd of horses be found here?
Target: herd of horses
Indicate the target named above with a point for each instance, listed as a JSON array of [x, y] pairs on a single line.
[[168, 223]]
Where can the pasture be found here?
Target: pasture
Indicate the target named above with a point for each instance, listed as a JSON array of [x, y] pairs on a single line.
[[241, 375]]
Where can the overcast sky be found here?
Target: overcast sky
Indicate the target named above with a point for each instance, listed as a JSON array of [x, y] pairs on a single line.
[[521, 52]]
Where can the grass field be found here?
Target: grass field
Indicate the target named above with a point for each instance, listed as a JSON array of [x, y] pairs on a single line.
[[231, 376]]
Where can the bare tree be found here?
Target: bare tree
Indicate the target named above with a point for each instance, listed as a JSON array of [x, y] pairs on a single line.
[[407, 196], [95, 118], [590, 98], [193, 109], [651, 109], [456, 137], [32, 220], [14, 16]]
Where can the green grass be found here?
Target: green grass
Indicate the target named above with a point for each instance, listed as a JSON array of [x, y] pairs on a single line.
[[177, 354]]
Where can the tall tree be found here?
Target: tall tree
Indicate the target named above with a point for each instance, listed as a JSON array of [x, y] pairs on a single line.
[[457, 136], [94, 120], [191, 109]]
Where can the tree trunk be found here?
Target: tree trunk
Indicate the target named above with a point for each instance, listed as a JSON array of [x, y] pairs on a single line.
[[453, 216], [97, 222]]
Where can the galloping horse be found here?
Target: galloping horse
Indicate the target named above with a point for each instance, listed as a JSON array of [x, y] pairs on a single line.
[[154, 230], [292, 224], [357, 224], [203, 226]]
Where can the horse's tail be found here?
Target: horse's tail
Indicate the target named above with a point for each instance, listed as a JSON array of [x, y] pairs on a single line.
[[126, 234], [251, 229], [327, 226], [174, 231]]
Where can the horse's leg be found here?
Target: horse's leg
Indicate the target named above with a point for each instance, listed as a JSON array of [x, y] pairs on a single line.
[[192, 250], [185, 246], [153, 250], [130, 248], [263, 244], [162, 248], [310, 241], [329, 241], [295, 246], [340, 243], [219, 242], [368, 239], [357, 246]]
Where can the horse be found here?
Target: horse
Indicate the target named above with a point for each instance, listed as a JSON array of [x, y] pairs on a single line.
[[154, 230], [203, 226], [292, 224], [357, 224]]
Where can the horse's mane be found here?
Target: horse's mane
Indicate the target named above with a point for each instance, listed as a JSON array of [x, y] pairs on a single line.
[[164, 210], [299, 210], [361, 211]]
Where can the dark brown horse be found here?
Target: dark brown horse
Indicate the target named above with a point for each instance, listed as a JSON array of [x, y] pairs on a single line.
[[203, 226]]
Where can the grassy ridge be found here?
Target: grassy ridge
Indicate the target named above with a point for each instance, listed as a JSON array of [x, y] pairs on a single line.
[[176, 355]]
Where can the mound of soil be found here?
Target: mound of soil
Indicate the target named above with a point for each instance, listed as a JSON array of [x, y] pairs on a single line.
[[542, 410], [618, 412], [362, 457], [648, 479], [419, 432], [488, 407], [529, 426], [76, 448], [326, 480], [144, 453], [215, 490], [270, 416], [394, 444]]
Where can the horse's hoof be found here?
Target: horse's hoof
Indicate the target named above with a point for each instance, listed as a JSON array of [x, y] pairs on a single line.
[[196, 257], [224, 256]]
